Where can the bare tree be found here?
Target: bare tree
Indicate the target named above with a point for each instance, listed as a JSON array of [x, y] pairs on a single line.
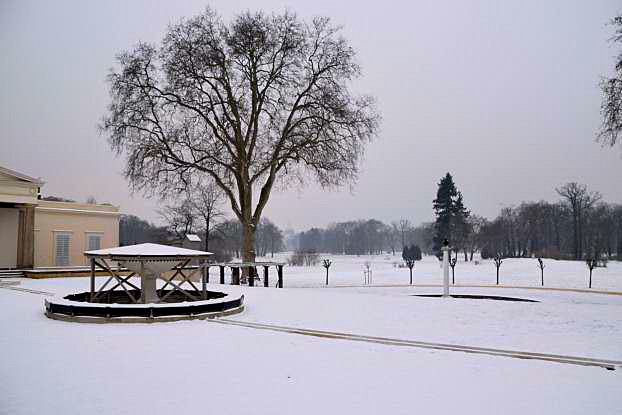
[[541, 266], [179, 219], [611, 105], [404, 227], [580, 200], [206, 201], [474, 241], [263, 99], [269, 238], [498, 259], [326, 264], [591, 264]]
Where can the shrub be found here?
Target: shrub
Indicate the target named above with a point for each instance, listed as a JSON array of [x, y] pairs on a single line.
[[551, 252], [304, 259]]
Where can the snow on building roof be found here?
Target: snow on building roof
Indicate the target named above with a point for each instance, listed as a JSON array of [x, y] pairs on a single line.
[[147, 250], [193, 238], [21, 176]]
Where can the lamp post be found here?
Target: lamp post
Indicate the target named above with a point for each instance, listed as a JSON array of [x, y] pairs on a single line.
[[445, 248]]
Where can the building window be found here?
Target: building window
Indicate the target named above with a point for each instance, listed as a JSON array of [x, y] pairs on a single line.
[[63, 243], [94, 241]]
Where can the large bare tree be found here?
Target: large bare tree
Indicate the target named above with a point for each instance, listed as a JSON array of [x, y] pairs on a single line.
[[611, 105], [261, 100]]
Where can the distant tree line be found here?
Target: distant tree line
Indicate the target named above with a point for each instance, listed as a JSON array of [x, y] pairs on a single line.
[[364, 237], [225, 239], [579, 226], [269, 237]]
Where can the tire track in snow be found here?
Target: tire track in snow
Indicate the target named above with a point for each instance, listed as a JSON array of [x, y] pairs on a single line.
[[575, 360], [26, 290], [576, 290]]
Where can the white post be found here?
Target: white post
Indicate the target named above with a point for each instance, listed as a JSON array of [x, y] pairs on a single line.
[[148, 285], [445, 250]]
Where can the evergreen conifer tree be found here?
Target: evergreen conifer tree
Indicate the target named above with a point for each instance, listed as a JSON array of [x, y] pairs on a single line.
[[443, 209], [459, 224], [417, 253], [450, 214]]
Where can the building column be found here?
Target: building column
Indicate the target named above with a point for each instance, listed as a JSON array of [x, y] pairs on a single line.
[[26, 237]]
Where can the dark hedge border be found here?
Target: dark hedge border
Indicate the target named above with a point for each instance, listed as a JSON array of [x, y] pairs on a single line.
[[179, 309], [121, 297], [480, 297]]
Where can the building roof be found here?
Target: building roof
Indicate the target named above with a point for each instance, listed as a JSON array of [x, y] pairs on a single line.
[[147, 250], [193, 238], [21, 176]]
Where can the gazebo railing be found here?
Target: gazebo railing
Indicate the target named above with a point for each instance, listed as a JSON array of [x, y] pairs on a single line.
[[237, 267]]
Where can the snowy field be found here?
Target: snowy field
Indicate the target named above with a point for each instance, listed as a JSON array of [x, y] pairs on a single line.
[[189, 367], [348, 270]]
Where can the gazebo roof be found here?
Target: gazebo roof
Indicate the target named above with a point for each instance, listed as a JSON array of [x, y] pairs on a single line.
[[147, 251]]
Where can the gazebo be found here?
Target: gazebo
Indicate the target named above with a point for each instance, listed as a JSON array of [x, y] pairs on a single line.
[[149, 262]]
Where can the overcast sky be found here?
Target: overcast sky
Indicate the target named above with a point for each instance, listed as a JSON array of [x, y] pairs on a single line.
[[504, 95]]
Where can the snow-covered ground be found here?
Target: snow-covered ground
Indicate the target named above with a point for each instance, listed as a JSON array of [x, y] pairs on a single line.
[[348, 270], [50, 366]]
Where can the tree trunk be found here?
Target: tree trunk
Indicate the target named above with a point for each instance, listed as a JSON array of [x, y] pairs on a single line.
[[248, 244], [590, 284], [207, 239]]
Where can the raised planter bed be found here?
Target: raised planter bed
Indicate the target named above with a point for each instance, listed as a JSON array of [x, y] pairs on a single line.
[[75, 308]]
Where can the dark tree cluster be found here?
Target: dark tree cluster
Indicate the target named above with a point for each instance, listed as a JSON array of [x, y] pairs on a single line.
[[579, 226], [57, 199], [134, 230]]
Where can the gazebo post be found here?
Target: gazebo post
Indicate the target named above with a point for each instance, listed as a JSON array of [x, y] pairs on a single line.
[[279, 269], [222, 274], [205, 264], [265, 275], [92, 278], [251, 277], [235, 276], [204, 277], [142, 281]]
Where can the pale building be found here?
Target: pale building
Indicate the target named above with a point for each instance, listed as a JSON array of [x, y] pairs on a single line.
[[39, 233]]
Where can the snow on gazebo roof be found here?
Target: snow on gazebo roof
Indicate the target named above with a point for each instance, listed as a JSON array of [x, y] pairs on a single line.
[[147, 250]]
